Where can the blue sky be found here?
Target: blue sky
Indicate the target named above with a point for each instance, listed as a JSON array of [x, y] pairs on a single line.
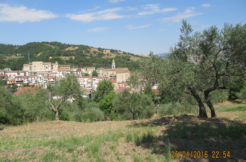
[[137, 26]]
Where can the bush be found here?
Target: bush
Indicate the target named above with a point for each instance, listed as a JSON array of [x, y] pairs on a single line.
[[177, 108], [92, 114], [106, 104], [133, 105], [31, 106], [242, 94], [70, 112], [3, 118], [219, 96], [5, 104]]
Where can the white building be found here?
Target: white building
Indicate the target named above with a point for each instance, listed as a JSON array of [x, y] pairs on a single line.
[[40, 66], [89, 82], [118, 74], [16, 73]]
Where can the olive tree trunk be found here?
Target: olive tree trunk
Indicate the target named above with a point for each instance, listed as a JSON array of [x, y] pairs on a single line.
[[57, 116], [202, 108], [209, 104]]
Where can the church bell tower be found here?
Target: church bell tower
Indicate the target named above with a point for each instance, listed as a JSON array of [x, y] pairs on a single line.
[[113, 64]]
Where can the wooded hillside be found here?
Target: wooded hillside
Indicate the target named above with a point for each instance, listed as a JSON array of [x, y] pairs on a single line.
[[14, 56]]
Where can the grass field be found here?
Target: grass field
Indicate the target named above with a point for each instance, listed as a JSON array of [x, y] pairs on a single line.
[[145, 140]]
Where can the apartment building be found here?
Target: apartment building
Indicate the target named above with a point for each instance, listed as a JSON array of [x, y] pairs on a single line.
[[40, 66]]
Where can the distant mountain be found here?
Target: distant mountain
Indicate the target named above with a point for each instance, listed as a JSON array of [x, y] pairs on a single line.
[[14, 56], [163, 55]]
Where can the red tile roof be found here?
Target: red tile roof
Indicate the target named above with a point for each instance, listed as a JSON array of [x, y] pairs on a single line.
[[156, 92], [114, 81], [120, 89], [21, 90]]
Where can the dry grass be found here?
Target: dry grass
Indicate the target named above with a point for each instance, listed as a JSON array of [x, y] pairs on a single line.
[[231, 110], [57, 129], [72, 141], [146, 140], [72, 48]]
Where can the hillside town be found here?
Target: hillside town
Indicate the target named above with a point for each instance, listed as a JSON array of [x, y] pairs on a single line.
[[42, 74]]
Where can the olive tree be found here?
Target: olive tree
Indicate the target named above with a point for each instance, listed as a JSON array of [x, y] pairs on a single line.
[[67, 88], [133, 105], [201, 63]]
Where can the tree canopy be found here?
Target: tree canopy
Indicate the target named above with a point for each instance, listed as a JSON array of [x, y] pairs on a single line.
[[202, 62], [66, 89], [133, 105], [103, 89], [199, 64]]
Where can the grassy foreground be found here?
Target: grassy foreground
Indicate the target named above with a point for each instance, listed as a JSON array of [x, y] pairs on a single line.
[[147, 140]]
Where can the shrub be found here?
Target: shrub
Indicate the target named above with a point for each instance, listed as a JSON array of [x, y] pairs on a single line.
[[219, 96], [92, 114], [70, 112], [133, 105], [106, 104], [242, 94], [177, 108], [5, 105], [32, 106]]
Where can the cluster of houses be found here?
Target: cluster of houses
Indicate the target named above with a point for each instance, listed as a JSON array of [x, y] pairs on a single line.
[[39, 73]]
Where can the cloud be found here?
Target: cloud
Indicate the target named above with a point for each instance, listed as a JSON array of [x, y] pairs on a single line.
[[132, 27], [151, 9], [108, 14], [186, 14], [97, 29], [115, 1], [131, 8], [93, 9], [23, 14], [206, 5]]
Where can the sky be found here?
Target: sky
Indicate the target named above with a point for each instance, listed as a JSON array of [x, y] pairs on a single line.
[[136, 26]]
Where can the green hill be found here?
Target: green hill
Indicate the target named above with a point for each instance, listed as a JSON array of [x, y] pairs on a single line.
[[14, 56]]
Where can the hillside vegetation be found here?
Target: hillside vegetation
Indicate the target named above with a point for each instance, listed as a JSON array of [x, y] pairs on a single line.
[[14, 56]]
